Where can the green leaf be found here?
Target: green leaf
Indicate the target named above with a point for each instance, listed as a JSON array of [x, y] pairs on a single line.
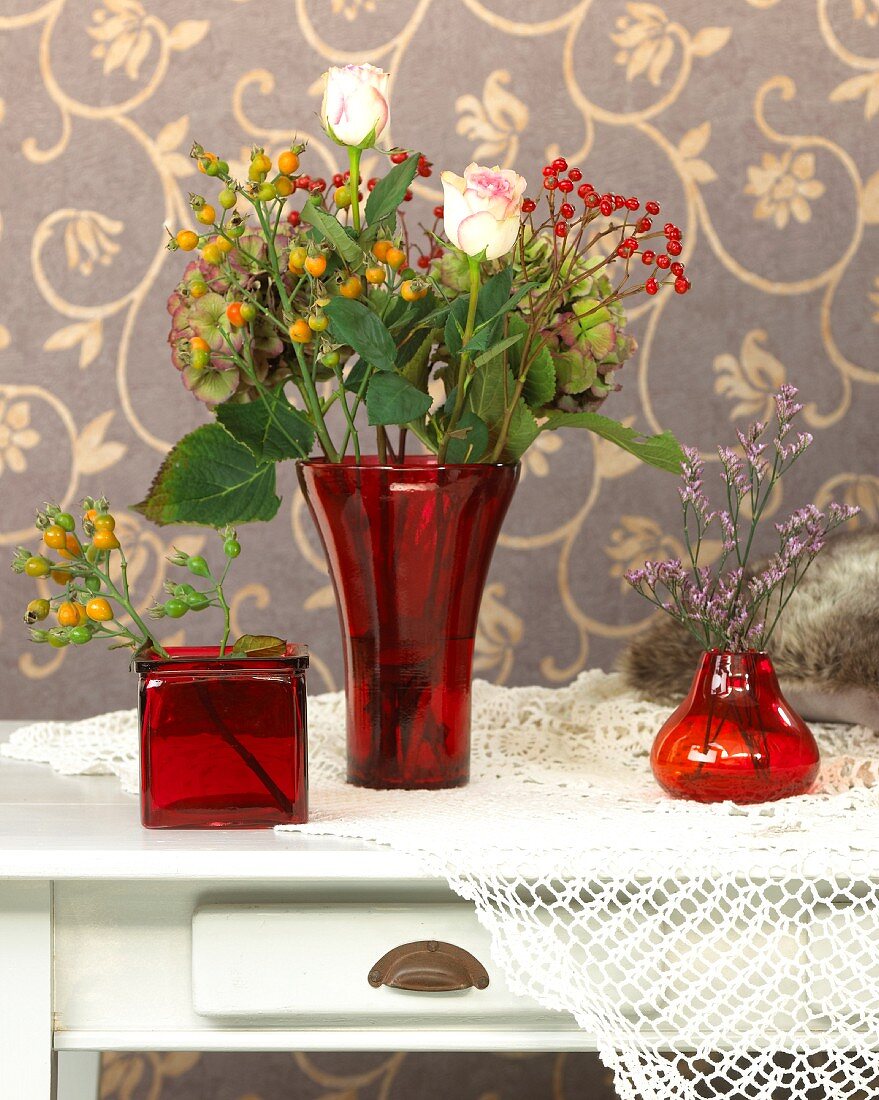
[[353, 323], [260, 645], [540, 382], [454, 329], [469, 442], [416, 365], [210, 478], [270, 427], [388, 193], [390, 399], [662, 451], [486, 330], [497, 349], [523, 430], [331, 229], [488, 392]]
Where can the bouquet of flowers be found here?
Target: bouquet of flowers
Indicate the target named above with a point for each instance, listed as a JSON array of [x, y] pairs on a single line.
[[731, 606], [295, 322]]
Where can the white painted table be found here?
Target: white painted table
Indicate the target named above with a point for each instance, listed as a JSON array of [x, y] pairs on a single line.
[[113, 937]]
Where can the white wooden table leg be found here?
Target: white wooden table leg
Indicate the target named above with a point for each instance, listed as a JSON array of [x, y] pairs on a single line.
[[79, 1075], [26, 1060]]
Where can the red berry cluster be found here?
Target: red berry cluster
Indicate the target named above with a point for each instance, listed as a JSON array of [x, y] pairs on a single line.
[[435, 252], [557, 176]]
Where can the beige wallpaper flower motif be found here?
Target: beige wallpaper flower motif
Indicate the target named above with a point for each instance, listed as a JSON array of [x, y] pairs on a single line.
[[784, 186]]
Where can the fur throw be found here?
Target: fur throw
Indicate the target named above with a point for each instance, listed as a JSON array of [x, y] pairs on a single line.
[[825, 648]]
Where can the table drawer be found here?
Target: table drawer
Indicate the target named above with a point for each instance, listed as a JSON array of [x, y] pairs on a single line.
[[313, 962]]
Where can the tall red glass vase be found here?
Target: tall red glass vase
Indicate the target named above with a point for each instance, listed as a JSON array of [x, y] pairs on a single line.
[[735, 737], [408, 547]]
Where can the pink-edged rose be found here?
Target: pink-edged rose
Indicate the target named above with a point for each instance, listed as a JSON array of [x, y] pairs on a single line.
[[482, 209], [355, 106]]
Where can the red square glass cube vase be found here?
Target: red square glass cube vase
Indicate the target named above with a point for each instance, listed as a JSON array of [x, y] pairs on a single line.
[[223, 740]]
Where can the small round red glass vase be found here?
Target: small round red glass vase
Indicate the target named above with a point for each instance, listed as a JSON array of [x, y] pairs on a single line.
[[735, 737], [408, 547], [223, 740]]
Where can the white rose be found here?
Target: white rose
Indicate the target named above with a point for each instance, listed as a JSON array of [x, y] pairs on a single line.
[[482, 209], [355, 106]]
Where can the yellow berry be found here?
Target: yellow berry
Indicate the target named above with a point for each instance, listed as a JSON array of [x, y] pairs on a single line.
[[288, 162], [380, 250], [37, 610], [223, 245], [71, 613], [352, 287], [316, 265], [375, 275], [186, 240], [342, 197], [99, 610], [105, 540], [207, 215], [299, 331], [212, 254], [395, 258], [318, 322], [284, 186]]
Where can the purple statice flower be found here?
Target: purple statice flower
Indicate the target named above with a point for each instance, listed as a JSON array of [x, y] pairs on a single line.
[[691, 491], [733, 470], [732, 608], [753, 449], [840, 513], [728, 529], [786, 407]]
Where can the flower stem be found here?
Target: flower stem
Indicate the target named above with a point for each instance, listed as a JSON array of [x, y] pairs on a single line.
[[354, 186], [460, 388], [224, 604]]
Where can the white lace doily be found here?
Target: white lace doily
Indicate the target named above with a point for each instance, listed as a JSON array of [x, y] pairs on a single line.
[[715, 951]]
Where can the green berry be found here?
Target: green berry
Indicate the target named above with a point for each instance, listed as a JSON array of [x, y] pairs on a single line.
[[196, 601], [181, 591], [66, 521], [79, 635], [231, 548], [175, 609], [227, 198], [58, 638], [198, 566], [93, 584]]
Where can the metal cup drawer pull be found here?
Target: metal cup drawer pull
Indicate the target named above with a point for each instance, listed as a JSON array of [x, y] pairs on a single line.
[[429, 966]]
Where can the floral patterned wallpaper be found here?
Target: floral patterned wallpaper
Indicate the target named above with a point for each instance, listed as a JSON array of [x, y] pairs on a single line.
[[754, 121]]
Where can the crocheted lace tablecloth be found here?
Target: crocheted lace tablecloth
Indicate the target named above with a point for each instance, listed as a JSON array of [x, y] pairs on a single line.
[[715, 951]]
